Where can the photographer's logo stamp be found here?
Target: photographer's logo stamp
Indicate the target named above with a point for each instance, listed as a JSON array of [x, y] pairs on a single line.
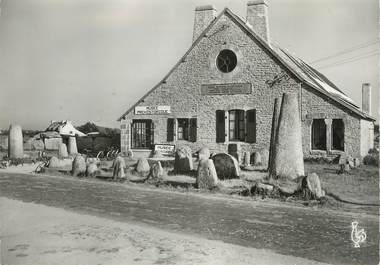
[[358, 236]]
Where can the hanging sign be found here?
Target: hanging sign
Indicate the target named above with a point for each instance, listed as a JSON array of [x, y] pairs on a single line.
[[166, 149], [152, 110]]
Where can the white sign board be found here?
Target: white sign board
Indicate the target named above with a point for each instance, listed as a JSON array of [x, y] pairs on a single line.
[[152, 110], [166, 149]]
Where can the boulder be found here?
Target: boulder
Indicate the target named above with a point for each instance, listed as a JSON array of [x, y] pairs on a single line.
[[247, 159], [55, 162], [37, 144], [226, 166], [288, 153], [143, 167], [118, 167], [257, 159], [79, 166], [288, 187], [183, 162], [204, 153], [62, 151], [15, 142], [72, 146], [206, 175], [157, 172], [91, 170], [314, 185], [261, 189]]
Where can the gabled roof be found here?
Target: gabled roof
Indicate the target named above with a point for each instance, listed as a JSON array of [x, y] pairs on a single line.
[[64, 128], [302, 71]]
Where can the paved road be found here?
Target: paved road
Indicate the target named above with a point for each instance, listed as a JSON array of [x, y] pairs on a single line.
[[303, 232]]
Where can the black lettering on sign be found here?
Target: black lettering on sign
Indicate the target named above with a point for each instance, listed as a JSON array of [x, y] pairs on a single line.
[[226, 89]]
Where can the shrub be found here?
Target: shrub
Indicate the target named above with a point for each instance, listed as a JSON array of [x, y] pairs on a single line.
[[371, 159]]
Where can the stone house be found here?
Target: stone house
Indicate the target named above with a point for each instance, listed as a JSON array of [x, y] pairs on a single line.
[[222, 92]]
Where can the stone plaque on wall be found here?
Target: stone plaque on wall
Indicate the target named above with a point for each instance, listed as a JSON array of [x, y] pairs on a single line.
[[226, 89]]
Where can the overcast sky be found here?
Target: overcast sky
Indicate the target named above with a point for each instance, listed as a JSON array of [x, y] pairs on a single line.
[[90, 60]]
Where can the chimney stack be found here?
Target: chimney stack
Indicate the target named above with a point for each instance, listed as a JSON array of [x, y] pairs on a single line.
[[257, 17], [204, 15], [366, 98]]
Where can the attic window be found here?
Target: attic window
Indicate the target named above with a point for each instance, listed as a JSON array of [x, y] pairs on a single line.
[[226, 61]]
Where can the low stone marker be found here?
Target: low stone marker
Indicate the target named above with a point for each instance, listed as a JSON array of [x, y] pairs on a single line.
[[183, 162], [91, 170], [247, 159], [156, 172], [227, 167], [204, 153], [118, 166], [257, 159], [79, 166], [264, 157], [143, 167], [55, 162], [62, 151], [15, 142], [206, 176], [314, 185]]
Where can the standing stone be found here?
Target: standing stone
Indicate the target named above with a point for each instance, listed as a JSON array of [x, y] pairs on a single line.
[[207, 177], [247, 159], [288, 154], [118, 166], [257, 159], [276, 112], [204, 153], [62, 151], [183, 162], [314, 185], [91, 170], [157, 172], [227, 167], [143, 167], [342, 159], [72, 146], [234, 150], [15, 142], [264, 157], [79, 166]]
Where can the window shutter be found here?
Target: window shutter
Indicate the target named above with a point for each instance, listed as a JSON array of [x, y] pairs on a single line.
[[193, 130], [251, 126], [170, 130], [220, 126]]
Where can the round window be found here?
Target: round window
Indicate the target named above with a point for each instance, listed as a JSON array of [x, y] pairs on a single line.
[[226, 61]]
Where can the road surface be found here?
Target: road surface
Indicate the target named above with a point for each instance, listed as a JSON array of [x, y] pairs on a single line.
[[315, 234]]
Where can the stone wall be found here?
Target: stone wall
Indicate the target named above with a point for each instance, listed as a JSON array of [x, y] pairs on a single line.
[[367, 137]]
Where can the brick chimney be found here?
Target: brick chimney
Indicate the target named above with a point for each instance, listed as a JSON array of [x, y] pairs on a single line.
[[204, 15], [366, 98], [257, 17]]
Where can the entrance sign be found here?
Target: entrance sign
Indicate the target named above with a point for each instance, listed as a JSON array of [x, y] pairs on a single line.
[[152, 110], [166, 149], [226, 89]]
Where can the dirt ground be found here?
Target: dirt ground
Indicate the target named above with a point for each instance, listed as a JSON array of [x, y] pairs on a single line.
[[37, 234]]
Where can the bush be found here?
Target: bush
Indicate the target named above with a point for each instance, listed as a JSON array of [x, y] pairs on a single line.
[[371, 159]]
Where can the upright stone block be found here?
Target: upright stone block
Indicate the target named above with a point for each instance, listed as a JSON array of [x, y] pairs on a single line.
[[183, 162], [79, 166], [247, 159], [62, 151], [288, 155], [118, 166], [143, 167], [15, 142], [276, 113], [226, 166], [72, 146], [206, 176]]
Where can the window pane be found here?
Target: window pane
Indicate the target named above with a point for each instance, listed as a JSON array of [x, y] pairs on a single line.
[[319, 134], [337, 131]]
